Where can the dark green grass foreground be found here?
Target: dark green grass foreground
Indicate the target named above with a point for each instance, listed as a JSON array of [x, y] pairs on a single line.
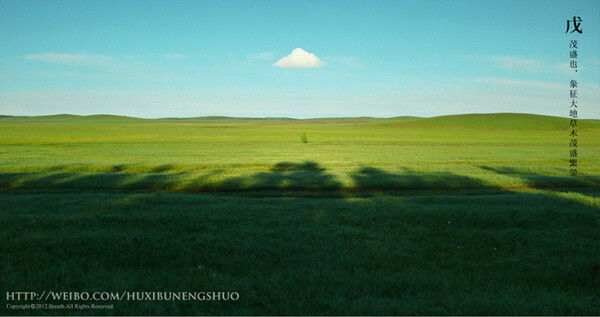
[[494, 253], [390, 216]]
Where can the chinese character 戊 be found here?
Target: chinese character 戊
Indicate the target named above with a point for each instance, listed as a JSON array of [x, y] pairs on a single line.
[[576, 24]]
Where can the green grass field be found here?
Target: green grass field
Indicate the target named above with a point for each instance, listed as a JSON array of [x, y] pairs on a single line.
[[469, 214]]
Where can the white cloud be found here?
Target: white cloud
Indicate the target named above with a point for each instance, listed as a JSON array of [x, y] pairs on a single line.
[[70, 59], [511, 62], [565, 68], [174, 56], [346, 60], [300, 59], [551, 86], [534, 65], [263, 56]]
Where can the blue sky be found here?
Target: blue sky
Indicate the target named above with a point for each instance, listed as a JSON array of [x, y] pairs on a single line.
[[375, 58]]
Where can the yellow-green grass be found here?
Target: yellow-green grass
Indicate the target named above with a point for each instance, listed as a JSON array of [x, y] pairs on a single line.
[[195, 154], [471, 214]]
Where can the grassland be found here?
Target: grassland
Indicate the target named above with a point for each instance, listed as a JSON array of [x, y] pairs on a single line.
[[470, 214]]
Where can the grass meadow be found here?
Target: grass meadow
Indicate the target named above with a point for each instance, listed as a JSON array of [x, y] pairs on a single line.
[[467, 214]]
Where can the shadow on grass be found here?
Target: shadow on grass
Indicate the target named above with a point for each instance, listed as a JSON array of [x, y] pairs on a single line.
[[284, 176], [370, 178], [547, 181], [388, 254]]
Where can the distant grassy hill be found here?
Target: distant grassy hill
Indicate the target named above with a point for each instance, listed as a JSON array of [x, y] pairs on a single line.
[[226, 119], [69, 118], [492, 121], [498, 121]]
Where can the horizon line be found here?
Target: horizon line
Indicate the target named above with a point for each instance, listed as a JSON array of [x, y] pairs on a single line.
[[288, 118]]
